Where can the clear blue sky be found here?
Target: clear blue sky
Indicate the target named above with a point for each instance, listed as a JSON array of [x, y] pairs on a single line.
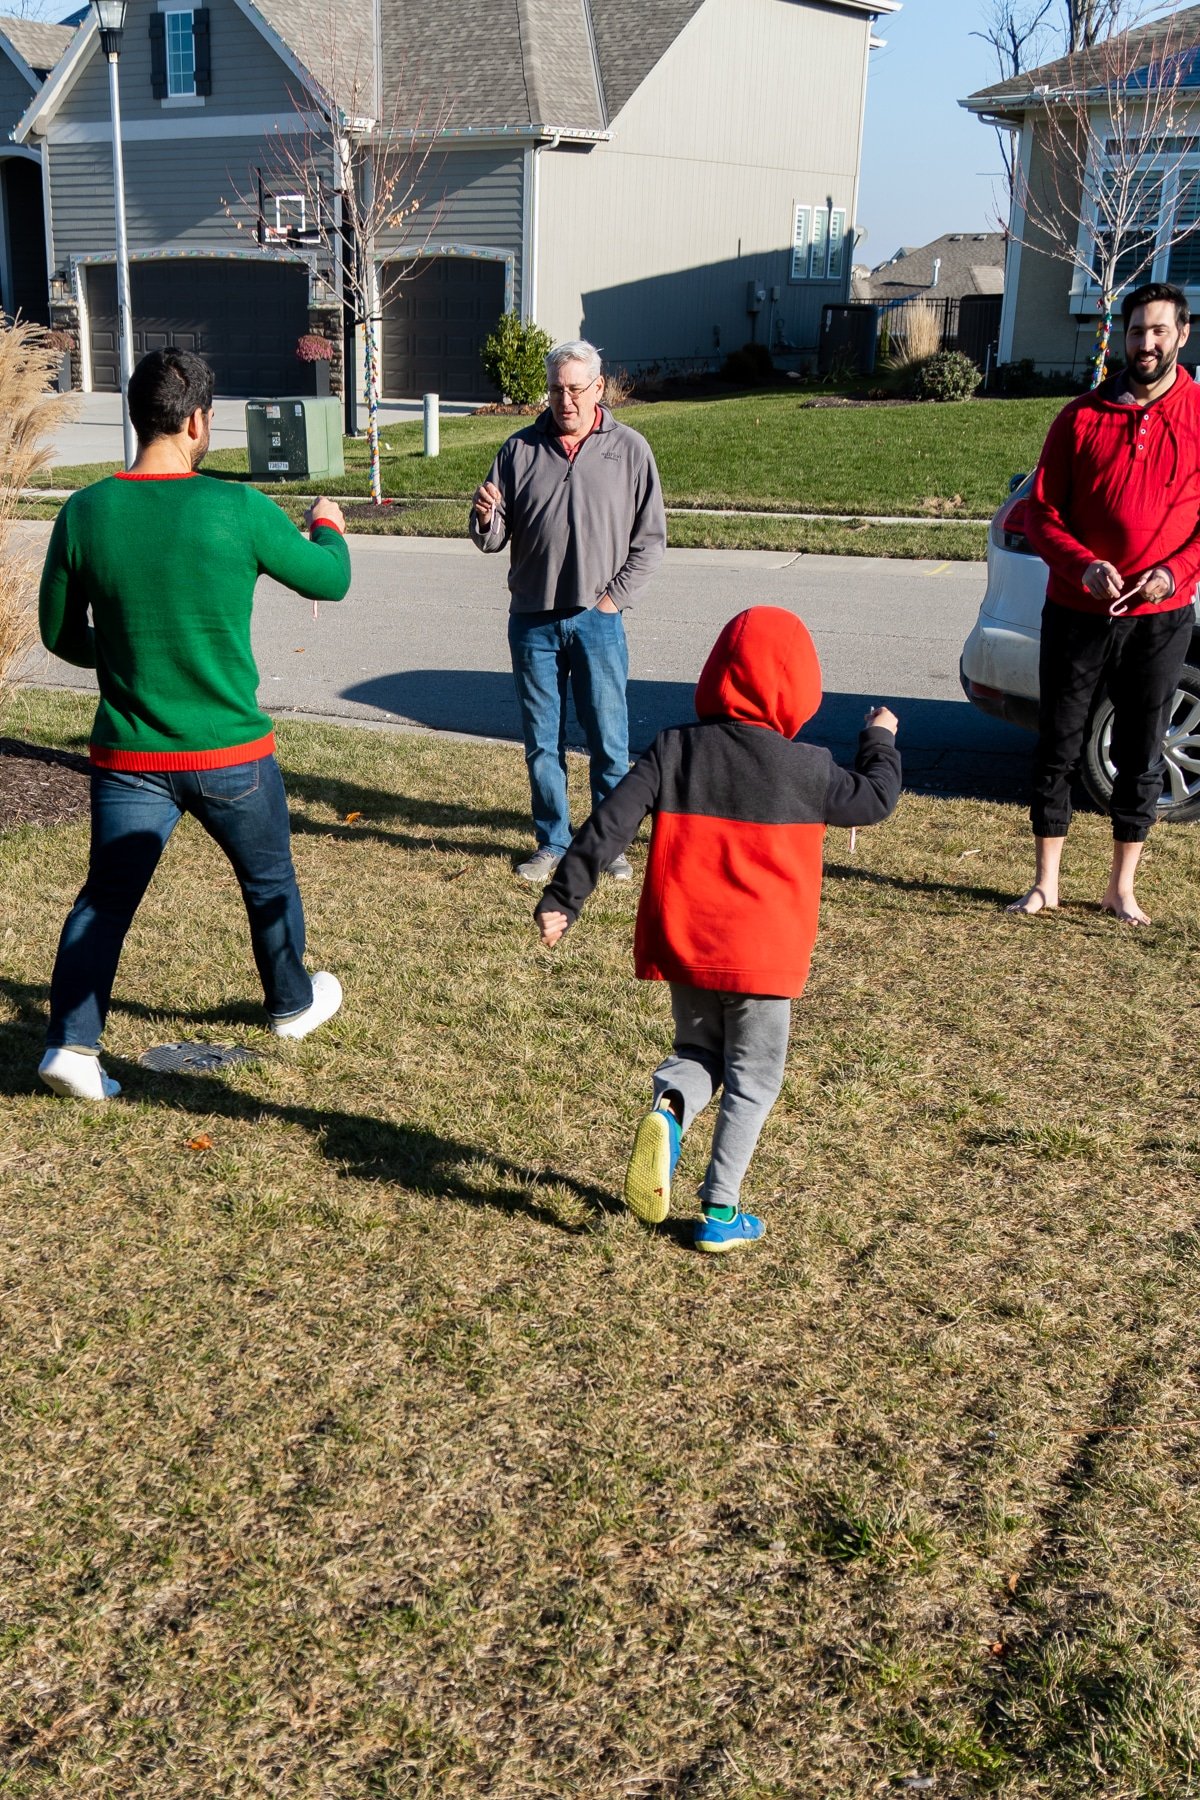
[[928, 166]]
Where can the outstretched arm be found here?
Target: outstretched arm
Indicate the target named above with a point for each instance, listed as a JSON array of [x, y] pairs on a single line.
[[610, 831], [867, 793], [317, 567], [63, 604]]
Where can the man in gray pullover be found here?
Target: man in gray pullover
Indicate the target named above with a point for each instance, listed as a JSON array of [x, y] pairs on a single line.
[[576, 497]]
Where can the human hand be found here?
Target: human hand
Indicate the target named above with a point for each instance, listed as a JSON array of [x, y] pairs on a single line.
[[1152, 586], [552, 925], [488, 500], [884, 717], [1102, 581], [325, 512], [606, 603]]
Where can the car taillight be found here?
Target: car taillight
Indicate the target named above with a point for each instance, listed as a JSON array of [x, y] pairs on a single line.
[[1008, 527]]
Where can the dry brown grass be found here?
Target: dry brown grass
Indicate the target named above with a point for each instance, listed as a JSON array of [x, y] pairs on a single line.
[[27, 416], [915, 333], [373, 1451]]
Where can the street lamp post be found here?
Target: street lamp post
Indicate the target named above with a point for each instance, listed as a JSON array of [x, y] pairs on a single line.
[[110, 15]]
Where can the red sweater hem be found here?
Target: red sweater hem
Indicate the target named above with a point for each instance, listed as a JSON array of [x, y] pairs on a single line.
[[163, 761]]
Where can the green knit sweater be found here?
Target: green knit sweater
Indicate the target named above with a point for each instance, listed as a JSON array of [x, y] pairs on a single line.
[[167, 566]]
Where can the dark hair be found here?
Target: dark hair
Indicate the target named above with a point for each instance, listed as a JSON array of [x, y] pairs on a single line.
[[1155, 290], [164, 391]]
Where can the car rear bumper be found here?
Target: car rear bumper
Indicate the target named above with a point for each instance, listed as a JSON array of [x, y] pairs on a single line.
[[1017, 709]]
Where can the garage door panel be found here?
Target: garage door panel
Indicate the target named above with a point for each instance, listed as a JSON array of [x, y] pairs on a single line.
[[242, 317], [435, 324]]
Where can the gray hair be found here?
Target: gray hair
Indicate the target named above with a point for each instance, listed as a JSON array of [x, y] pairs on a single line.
[[577, 350]]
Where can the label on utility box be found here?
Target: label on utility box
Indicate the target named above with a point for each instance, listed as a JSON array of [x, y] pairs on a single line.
[[274, 468], [273, 412], [299, 412]]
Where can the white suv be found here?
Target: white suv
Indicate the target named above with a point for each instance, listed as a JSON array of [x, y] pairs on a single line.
[[999, 667]]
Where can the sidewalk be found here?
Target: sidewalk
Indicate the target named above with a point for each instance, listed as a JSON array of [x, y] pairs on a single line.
[[94, 434]]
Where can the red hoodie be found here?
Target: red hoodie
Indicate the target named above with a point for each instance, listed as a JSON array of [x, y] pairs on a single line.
[[1120, 483], [733, 882]]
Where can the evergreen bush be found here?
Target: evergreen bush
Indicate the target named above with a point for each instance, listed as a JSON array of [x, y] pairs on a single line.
[[946, 375], [514, 359]]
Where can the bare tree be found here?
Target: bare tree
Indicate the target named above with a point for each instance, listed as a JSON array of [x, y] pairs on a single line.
[[1088, 22], [342, 185], [1017, 35], [1118, 186]]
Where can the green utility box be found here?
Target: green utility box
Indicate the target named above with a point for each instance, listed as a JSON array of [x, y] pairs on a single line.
[[290, 439]]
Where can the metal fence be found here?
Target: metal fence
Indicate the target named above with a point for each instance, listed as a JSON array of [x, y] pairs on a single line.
[[861, 333]]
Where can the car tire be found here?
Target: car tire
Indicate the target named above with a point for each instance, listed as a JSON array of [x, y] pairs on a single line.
[[1180, 799]]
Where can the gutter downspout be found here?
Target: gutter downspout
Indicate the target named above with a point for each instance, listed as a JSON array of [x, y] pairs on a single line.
[[531, 246]]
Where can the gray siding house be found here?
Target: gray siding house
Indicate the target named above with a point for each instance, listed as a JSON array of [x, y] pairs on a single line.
[[667, 177], [28, 51], [1050, 308]]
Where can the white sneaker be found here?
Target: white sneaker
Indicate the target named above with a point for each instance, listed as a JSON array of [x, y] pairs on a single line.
[[327, 998], [77, 1076]]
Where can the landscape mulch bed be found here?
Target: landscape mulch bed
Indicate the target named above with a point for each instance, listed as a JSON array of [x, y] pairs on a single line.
[[39, 786]]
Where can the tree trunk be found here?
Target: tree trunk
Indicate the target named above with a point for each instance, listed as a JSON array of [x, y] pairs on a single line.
[[372, 374], [1103, 333]]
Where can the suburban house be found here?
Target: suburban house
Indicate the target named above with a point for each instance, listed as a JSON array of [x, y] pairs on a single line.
[[951, 266], [1050, 308], [28, 52], [667, 177]]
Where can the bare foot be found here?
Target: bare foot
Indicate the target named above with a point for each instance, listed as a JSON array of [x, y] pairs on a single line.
[[1035, 901], [1125, 908]]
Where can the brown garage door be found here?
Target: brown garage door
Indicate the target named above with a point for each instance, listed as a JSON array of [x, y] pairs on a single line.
[[434, 326], [242, 317]]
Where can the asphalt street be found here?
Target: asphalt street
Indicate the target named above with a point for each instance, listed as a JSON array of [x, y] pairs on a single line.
[[420, 641]]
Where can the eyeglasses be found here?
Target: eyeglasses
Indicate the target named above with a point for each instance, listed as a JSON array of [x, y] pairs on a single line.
[[576, 388]]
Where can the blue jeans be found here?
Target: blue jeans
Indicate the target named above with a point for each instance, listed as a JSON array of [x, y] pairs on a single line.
[[588, 652], [244, 809]]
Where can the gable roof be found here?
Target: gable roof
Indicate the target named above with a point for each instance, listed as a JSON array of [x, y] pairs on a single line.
[[971, 262], [38, 47], [1178, 31], [335, 44]]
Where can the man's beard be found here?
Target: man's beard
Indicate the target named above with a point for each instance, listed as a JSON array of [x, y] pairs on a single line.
[[1164, 362]]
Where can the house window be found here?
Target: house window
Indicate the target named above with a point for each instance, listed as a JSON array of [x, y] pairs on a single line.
[[180, 64], [181, 54], [837, 243], [800, 243]]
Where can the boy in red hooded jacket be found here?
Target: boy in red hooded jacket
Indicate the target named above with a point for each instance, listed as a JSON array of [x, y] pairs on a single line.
[[728, 912]]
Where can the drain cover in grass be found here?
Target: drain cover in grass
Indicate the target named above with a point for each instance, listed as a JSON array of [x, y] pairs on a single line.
[[193, 1059]]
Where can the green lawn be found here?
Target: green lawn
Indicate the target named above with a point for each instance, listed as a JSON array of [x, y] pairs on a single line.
[[356, 1444], [771, 452]]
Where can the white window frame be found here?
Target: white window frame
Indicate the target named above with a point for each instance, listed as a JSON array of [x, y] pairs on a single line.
[[1084, 285], [188, 13], [801, 216], [818, 254], [836, 263]]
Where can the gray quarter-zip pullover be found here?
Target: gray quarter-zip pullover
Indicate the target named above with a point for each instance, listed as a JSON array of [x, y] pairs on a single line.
[[577, 527]]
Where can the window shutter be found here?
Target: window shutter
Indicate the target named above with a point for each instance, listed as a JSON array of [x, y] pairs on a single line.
[[158, 56], [200, 39], [800, 244], [837, 243], [818, 253]]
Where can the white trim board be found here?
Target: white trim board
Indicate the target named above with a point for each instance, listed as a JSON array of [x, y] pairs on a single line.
[[188, 125]]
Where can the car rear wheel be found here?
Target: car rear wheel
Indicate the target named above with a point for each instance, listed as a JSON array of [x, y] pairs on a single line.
[[1180, 798]]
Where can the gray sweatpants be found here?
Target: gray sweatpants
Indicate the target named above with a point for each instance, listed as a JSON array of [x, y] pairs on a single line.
[[738, 1041]]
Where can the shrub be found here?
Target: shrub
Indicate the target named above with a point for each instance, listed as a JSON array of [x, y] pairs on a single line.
[[946, 375], [311, 349], [28, 365], [1021, 380], [618, 386], [751, 366], [514, 359]]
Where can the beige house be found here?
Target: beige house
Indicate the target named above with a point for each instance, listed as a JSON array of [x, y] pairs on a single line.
[[1050, 308], [670, 178]]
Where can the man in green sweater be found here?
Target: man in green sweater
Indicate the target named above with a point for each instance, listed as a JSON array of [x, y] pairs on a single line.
[[166, 560]]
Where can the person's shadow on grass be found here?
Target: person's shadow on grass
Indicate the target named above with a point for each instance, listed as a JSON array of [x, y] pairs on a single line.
[[366, 1148], [376, 813]]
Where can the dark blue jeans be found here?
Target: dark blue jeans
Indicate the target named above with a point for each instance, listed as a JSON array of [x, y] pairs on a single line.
[[586, 652], [244, 808]]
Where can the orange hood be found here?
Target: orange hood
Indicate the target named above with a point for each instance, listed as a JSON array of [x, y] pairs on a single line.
[[762, 670]]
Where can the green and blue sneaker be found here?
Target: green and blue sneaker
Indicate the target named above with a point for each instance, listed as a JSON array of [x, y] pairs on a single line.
[[715, 1235], [652, 1164]]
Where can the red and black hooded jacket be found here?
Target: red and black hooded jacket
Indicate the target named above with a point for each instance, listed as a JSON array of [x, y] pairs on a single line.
[[733, 882]]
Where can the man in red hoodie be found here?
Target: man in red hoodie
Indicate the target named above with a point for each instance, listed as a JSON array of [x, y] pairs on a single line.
[[1115, 513], [728, 913]]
